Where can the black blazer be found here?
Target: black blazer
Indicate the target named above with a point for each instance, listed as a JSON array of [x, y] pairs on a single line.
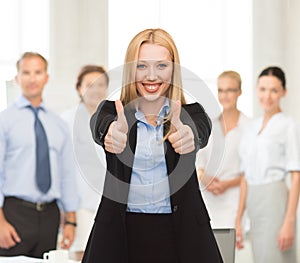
[[194, 238]]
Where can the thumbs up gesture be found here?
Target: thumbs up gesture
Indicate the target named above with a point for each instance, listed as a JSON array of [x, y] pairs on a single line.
[[116, 137], [182, 136]]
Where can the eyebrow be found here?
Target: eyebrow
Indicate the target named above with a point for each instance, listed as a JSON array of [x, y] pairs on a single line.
[[158, 61]]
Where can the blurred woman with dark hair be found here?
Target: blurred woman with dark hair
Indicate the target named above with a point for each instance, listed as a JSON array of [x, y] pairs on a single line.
[[269, 151], [92, 87]]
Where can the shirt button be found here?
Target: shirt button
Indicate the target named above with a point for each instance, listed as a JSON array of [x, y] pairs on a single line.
[[175, 208]]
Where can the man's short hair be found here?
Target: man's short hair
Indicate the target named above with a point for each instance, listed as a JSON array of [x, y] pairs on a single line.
[[31, 55]]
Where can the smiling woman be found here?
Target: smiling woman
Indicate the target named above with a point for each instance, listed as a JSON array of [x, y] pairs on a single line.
[[151, 209], [269, 151], [219, 163], [153, 77]]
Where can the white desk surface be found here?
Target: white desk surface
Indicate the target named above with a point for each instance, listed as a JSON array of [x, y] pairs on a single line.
[[23, 259]]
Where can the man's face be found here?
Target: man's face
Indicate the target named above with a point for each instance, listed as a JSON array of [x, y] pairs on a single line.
[[32, 77]]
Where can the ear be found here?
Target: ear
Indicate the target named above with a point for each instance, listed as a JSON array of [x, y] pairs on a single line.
[[17, 79], [284, 92], [240, 92], [47, 78], [79, 91]]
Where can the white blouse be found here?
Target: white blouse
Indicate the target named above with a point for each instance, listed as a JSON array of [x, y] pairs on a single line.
[[220, 158], [90, 158], [269, 155]]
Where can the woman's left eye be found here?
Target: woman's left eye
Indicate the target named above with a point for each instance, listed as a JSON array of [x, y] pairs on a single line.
[[162, 65]]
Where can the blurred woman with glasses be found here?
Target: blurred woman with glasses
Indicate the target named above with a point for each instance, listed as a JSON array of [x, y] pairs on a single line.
[[218, 164]]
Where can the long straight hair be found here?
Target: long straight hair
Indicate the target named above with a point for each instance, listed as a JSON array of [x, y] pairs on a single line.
[[129, 90]]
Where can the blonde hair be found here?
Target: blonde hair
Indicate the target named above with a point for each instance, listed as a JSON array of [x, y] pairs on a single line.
[[152, 36], [129, 93], [233, 75]]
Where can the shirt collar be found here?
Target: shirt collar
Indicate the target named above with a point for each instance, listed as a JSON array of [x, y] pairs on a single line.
[[165, 109], [23, 102]]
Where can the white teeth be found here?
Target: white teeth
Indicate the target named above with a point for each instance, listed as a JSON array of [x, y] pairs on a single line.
[[151, 87]]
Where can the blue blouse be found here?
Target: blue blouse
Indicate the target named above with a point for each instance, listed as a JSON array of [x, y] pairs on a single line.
[[149, 190]]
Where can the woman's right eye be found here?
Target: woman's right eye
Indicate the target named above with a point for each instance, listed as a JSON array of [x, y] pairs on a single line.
[[141, 66]]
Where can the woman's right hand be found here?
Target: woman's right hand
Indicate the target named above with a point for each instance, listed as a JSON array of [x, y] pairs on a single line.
[[116, 137], [239, 236]]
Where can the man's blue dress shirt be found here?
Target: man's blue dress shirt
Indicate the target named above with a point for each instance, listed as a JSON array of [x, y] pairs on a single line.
[[17, 156]]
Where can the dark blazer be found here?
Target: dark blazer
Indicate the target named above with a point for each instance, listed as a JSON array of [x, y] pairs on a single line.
[[194, 238]]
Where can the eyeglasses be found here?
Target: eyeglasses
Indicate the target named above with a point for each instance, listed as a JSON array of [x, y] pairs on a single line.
[[227, 91]]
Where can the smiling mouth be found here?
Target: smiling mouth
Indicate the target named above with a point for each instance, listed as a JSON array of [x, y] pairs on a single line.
[[151, 88]]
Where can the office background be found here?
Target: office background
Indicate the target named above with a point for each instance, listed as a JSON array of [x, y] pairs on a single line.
[[212, 36]]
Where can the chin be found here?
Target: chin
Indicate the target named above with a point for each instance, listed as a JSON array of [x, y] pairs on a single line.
[[227, 106], [33, 95], [268, 107], [151, 97]]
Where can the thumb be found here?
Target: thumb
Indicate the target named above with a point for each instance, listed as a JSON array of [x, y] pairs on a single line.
[[15, 236], [175, 121], [121, 124]]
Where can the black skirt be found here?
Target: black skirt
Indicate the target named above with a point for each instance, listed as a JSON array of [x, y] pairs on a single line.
[[150, 238]]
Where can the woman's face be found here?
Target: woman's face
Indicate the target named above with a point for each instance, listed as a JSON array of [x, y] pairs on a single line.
[[269, 92], [154, 71], [228, 92], [93, 88]]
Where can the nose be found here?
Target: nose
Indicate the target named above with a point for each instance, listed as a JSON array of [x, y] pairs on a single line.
[[152, 73], [32, 77], [268, 94]]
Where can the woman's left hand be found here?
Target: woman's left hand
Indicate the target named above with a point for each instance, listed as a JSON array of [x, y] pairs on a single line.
[[182, 136], [286, 236]]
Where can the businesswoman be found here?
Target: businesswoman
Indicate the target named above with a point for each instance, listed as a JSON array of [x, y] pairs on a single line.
[[221, 178], [270, 151], [151, 209], [92, 87]]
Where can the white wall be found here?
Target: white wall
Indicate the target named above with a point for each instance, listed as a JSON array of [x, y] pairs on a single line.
[[208, 38], [292, 56], [78, 36], [276, 41]]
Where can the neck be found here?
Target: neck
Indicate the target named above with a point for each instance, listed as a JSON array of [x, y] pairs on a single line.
[[269, 114], [35, 102], [229, 114], [229, 119], [150, 108], [90, 109], [267, 117]]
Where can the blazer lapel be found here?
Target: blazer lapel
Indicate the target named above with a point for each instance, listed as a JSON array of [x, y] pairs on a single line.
[[127, 158], [128, 154]]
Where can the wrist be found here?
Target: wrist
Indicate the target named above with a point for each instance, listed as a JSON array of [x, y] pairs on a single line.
[[71, 223], [2, 217], [290, 220], [227, 184], [238, 221]]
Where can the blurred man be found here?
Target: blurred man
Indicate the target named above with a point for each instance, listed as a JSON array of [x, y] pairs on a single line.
[[36, 169]]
